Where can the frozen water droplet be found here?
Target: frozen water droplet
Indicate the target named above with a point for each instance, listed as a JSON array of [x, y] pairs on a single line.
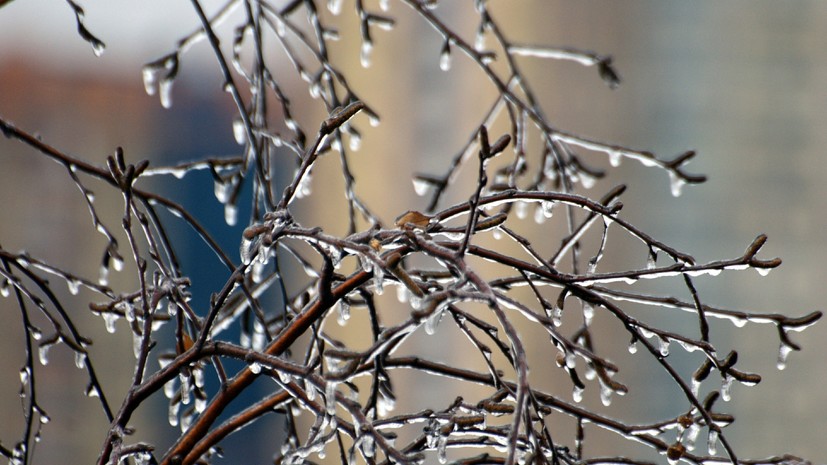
[[373, 120], [128, 310], [726, 388], [368, 446], [445, 59], [305, 187], [676, 184], [521, 209], [433, 321], [384, 4], [763, 271], [330, 398], [117, 263], [74, 286], [98, 48], [571, 361], [696, 387], [651, 261], [379, 281], [150, 75], [713, 442], [539, 215], [43, 353], [24, 375], [614, 158], [109, 320], [442, 448], [588, 313], [103, 275], [783, 353], [422, 187], [240, 134], [479, 41], [738, 321], [402, 294], [335, 6], [385, 404], [557, 316], [548, 209], [165, 92], [577, 394], [92, 391], [255, 367], [633, 347], [230, 213], [692, 436], [605, 395], [80, 360], [172, 413], [364, 56], [355, 141], [344, 312], [664, 346]]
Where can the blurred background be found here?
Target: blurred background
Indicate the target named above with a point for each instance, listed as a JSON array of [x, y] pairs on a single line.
[[744, 83]]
